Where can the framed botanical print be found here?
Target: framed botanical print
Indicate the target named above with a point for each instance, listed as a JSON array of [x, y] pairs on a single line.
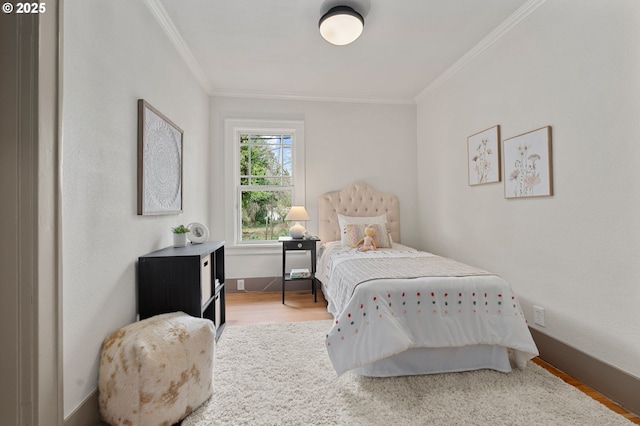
[[483, 152], [527, 164], [159, 163]]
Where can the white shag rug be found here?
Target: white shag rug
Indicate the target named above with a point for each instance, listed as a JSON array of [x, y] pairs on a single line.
[[280, 374]]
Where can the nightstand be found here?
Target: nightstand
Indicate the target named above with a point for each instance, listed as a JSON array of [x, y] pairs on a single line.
[[306, 244]]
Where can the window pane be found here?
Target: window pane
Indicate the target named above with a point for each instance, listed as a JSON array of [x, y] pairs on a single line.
[[286, 161], [260, 160], [276, 181], [276, 155], [244, 160], [272, 140], [263, 214], [263, 158]]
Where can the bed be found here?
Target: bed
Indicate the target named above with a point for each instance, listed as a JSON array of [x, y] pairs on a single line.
[[401, 311]]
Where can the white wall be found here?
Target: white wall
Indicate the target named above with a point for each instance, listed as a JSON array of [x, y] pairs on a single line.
[[345, 142], [575, 66], [115, 53]]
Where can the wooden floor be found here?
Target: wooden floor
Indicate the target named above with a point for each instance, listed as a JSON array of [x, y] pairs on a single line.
[[250, 308]]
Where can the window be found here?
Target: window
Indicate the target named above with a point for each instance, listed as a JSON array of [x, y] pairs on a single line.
[[268, 177], [266, 185]]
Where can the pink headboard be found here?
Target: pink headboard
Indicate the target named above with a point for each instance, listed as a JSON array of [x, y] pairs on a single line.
[[357, 199]]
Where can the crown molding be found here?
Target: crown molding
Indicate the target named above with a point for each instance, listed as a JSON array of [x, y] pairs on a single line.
[[519, 15], [308, 97], [159, 12]]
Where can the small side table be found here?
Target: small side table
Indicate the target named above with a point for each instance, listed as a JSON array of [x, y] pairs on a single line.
[[299, 244]]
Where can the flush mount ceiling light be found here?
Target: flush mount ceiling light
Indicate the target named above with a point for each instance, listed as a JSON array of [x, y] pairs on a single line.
[[341, 25]]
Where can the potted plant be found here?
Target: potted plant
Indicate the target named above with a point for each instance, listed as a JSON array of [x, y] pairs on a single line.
[[180, 236]]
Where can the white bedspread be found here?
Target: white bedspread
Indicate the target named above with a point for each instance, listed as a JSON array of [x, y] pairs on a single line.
[[387, 315]]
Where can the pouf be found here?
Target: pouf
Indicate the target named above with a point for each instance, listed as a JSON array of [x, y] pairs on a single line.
[[156, 371]]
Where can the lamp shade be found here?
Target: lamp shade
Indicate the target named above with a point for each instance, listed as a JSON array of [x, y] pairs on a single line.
[[297, 213], [341, 25]]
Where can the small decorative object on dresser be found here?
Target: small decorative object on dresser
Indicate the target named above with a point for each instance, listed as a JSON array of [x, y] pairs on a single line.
[[198, 233], [180, 236]]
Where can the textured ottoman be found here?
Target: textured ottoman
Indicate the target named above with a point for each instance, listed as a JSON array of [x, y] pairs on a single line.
[[156, 371]]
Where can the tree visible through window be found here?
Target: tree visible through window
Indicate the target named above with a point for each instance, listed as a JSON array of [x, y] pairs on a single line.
[[266, 185]]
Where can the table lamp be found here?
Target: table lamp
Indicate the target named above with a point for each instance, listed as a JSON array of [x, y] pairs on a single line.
[[297, 214]]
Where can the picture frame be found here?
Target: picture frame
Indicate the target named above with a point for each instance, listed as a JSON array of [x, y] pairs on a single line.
[[528, 167], [483, 153], [160, 143]]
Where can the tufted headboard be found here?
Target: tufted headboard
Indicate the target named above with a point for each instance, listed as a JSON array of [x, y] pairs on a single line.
[[357, 199]]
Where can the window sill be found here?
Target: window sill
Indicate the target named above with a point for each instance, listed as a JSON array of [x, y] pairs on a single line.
[[250, 249], [257, 249]]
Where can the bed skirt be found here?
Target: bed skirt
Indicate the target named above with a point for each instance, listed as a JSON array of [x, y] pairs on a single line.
[[416, 361]]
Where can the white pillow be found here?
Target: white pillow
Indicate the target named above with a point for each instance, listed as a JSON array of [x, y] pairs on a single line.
[[343, 221], [360, 220]]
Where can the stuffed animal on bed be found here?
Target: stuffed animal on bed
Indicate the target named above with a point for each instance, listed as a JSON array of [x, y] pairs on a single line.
[[368, 243]]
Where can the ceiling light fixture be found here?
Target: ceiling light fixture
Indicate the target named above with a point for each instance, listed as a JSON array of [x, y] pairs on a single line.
[[341, 25]]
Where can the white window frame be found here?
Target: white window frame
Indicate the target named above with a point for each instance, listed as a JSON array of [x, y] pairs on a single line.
[[233, 129]]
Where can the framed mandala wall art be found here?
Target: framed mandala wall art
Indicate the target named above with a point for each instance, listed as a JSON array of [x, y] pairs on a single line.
[[483, 151], [527, 164], [159, 163]]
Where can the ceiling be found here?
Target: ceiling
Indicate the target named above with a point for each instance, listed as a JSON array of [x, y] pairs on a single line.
[[273, 48]]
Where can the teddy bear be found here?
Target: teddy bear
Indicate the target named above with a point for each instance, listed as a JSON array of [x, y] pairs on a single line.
[[368, 243]]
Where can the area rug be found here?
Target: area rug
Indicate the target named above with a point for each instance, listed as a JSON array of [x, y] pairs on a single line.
[[280, 374]]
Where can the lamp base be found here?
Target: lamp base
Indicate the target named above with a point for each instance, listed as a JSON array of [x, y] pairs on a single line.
[[296, 231]]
